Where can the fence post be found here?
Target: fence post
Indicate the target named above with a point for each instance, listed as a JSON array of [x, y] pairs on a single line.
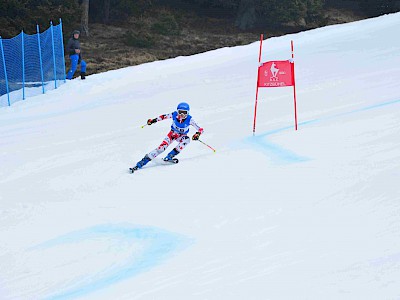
[[62, 51], [5, 69], [23, 65], [54, 54], [40, 57]]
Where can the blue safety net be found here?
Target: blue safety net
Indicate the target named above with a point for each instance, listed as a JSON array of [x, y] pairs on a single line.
[[31, 64]]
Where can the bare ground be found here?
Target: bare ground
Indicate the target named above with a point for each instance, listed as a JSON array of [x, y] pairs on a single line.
[[105, 48]]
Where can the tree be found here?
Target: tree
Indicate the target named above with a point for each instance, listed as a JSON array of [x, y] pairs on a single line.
[[85, 18], [106, 19], [247, 14], [375, 8]]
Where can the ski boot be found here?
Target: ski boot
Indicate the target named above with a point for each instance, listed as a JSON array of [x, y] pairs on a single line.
[[171, 155], [141, 163]]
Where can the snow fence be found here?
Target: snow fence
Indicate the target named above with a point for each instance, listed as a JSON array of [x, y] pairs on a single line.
[[31, 64]]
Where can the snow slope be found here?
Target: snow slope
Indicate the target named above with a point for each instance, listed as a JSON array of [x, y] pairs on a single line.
[[307, 214]]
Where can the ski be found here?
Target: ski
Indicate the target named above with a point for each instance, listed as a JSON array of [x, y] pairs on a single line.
[[168, 161], [133, 169], [171, 161]]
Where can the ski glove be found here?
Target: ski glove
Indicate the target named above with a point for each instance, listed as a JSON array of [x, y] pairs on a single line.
[[196, 136], [151, 121]]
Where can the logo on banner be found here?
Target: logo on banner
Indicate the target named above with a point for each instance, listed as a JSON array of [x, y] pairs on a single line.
[[274, 72]]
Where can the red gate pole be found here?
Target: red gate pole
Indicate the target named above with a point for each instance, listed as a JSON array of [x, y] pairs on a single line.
[[258, 77], [294, 89]]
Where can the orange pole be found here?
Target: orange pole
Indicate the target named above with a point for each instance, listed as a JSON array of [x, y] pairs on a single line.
[[258, 76], [294, 89]]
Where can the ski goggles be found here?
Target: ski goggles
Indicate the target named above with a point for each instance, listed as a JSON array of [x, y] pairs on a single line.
[[182, 112]]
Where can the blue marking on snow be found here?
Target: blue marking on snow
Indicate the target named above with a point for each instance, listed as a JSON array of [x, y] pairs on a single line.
[[358, 110], [370, 107], [277, 153], [158, 245], [282, 155]]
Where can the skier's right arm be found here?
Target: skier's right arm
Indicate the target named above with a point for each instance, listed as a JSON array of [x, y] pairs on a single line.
[[160, 118], [151, 121]]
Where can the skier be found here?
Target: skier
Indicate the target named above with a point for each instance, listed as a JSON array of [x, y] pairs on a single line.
[[181, 120], [74, 50]]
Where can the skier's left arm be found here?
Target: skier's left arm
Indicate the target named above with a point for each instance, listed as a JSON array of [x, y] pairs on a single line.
[[199, 130]]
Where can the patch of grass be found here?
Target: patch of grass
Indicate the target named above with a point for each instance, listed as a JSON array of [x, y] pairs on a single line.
[[166, 25], [140, 40]]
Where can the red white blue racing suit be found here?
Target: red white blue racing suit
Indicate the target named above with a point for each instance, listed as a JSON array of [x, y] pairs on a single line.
[[179, 131]]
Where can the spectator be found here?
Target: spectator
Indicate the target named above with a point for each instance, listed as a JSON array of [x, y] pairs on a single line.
[[74, 52]]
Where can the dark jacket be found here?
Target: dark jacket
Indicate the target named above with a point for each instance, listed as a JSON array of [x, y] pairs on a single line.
[[72, 45]]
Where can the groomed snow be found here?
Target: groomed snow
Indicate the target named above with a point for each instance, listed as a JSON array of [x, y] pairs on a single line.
[[284, 214]]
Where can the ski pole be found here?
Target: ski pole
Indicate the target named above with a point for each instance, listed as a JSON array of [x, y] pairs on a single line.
[[143, 125], [207, 146]]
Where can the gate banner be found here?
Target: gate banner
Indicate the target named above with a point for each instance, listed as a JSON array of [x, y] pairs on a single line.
[[275, 74]]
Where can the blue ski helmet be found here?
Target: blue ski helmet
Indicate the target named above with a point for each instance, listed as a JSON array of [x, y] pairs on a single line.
[[183, 106]]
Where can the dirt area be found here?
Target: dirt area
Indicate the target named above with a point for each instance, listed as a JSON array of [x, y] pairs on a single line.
[[106, 48]]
